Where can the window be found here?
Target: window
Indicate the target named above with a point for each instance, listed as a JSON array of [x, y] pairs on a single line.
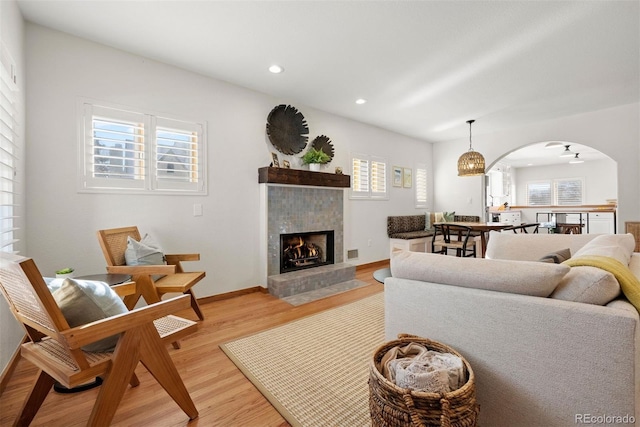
[[421, 186], [568, 192], [8, 152], [539, 193], [126, 151], [368, 177], [559, 192]]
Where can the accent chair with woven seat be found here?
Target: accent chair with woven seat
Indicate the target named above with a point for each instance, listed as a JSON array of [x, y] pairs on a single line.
[[453, 236], [58, 349], [152, 281]]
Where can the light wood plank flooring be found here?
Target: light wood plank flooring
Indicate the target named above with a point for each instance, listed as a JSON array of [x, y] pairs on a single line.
[[223, 396]]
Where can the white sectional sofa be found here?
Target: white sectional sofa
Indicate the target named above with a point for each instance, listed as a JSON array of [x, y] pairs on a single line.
[[538, 360]]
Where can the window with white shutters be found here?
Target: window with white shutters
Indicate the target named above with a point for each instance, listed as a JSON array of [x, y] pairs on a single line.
[[568, 192], [539, 193], [127, 151], [368, 177], [421, 186], [9, 135]]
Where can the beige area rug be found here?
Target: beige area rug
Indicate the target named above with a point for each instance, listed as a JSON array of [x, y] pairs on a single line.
[[314, 370]]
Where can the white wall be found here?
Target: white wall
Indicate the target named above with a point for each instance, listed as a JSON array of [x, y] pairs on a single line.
[[600, 179], [62, 222], [613, 131], [12, 36]]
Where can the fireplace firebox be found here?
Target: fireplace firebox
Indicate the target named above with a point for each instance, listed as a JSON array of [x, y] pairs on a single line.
[[306, 250]]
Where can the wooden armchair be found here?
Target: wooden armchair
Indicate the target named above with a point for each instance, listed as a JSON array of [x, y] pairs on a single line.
[[55, 348], [174, 279]]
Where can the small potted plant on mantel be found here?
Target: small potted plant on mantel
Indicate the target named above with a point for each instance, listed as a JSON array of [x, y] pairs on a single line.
[[314, 158]]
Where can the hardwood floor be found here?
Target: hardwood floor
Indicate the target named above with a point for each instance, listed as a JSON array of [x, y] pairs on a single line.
[[223, 396]]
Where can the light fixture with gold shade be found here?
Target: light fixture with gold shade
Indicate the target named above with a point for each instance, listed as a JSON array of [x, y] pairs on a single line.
[[471, 163]]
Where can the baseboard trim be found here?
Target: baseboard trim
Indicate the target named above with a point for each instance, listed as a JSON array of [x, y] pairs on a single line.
[[376, 264], [227, 295], [11, 366], [232, 294]]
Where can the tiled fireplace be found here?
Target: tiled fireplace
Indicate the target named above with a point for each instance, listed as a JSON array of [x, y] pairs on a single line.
[[294, 209], [302, 230]]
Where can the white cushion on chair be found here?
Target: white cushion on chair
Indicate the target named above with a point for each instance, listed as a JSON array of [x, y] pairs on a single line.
[[144, 252], [85, 301]]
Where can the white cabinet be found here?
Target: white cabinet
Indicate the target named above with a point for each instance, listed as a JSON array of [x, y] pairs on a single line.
[[601, 223], [511, 217]]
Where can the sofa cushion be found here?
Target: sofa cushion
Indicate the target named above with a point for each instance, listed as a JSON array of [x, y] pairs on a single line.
[[411, 235], [617, 246], [404, 224], [532, 247], [518, 277], [556, 257], [589, 285]]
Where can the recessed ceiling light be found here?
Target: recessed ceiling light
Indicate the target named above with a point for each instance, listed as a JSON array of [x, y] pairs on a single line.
[[361, 101], [276, 69]]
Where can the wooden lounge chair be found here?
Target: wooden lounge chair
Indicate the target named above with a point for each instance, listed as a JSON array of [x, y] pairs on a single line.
[[56, 348], [174, 279]]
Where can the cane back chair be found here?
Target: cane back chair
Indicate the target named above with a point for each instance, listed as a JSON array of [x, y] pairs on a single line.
[[173, 278], [55, 348]]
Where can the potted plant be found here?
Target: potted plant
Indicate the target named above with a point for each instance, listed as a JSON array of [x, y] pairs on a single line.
[[64, 273], [314, 158]]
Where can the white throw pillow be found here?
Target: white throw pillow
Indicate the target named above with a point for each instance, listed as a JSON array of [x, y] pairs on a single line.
[[517, 277], [144, 252], [85, 301], [617, 246], [589, 285]]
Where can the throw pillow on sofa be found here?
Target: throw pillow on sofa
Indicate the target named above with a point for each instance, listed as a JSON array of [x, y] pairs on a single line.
[[557, 257], [518, 277], [617, 246], [588, 285]]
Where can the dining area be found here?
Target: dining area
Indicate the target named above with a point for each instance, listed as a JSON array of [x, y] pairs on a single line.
[[460, 236]]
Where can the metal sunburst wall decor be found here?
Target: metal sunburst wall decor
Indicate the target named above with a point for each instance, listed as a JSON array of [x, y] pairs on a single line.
[[287, 129], [323, 143]]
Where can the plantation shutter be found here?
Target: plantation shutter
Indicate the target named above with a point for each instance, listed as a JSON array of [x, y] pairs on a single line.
[[539, 193], [360, 177], [178, 155], [378, 178], [9, 134], [568, 192], [114, 148], [421, 186]]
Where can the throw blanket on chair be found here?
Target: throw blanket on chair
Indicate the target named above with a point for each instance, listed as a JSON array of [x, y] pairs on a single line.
[[629, 283]]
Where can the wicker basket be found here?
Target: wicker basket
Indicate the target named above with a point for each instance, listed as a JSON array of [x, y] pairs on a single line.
[[392, 406]]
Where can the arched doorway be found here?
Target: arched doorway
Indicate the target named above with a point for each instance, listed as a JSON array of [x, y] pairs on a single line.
[[545, 179]]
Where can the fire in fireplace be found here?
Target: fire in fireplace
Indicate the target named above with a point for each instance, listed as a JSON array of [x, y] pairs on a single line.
[[305, 250]]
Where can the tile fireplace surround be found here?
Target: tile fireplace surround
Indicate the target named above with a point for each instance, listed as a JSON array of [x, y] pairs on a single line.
[[296, 209]]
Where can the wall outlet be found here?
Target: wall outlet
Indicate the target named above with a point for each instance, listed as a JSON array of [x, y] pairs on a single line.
[[369, 242]]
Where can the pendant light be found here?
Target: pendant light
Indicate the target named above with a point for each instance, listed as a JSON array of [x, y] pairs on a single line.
[[470, 163], [567, 152], [576, 159]]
